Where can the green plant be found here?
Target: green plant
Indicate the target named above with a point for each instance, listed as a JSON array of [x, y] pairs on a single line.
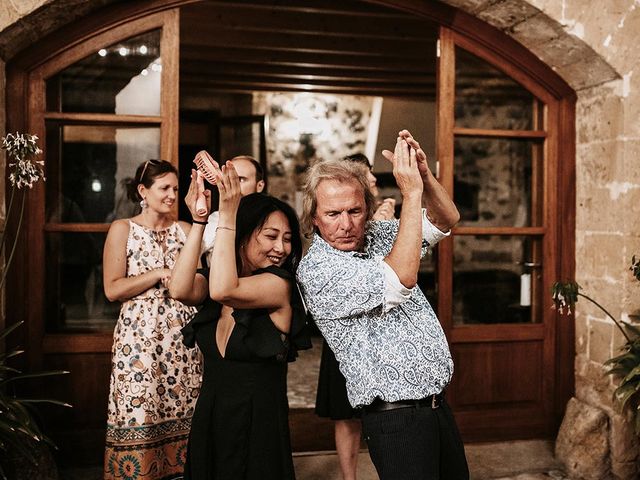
[[626, 366], [24, 171], [18, 427], [19, 431]]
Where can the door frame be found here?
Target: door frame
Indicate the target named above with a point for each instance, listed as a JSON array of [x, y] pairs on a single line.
[[23, 102]]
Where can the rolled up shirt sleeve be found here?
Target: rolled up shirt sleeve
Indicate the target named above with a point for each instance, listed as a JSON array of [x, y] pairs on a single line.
[[430, 233], [394, 292]]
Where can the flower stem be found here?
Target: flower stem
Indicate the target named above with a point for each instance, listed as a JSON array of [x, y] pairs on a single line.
[[6, 219], [608, 314], [15, 242]]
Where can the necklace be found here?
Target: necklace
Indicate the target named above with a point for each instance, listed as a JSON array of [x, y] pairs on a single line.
[[161, 240]]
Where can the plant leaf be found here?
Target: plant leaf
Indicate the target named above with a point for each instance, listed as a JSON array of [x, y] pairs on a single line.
[[10, 329], [34, 375]]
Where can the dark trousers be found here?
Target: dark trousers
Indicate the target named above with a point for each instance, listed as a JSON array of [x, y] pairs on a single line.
[[415, 443]]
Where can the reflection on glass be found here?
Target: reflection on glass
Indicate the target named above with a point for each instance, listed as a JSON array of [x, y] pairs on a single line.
[[497, 182], [496, 279], [123, 78], [75, 293], [87, 168], [487, 98]]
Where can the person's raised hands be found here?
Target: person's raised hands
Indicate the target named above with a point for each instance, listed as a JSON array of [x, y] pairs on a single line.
[[198, 198], [421, 156], [229, 188], [386, 210], [405, 167]]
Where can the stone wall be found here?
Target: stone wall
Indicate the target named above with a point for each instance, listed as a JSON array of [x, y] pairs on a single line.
[[592, 44]]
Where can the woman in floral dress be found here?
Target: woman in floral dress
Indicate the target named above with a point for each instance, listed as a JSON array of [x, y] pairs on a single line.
[[155, 380]]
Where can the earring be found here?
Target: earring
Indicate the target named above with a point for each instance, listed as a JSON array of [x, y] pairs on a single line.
[[143, 203]]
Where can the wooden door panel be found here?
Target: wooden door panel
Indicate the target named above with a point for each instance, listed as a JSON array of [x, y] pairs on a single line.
[[79, 432], [489, 374]]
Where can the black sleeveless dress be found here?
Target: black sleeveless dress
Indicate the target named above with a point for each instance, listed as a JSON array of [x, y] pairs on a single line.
[[240, 428]]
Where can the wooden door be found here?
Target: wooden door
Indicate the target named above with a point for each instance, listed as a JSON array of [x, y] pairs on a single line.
[[100, 108], [499, 155]]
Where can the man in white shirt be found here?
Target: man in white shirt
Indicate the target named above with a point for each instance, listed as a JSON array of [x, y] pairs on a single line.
[[251, 181], [359, 281]]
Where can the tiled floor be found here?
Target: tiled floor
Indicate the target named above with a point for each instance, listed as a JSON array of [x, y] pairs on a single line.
[[302, 378], [520, 460]]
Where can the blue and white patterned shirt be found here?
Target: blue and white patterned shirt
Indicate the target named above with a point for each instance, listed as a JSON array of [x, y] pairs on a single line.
[[391, 352]]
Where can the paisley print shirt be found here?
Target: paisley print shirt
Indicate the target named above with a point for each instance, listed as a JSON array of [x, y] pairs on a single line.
[[392, 354]]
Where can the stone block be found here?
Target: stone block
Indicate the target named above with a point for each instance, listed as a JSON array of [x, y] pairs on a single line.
[[602, 117], [582, 444], [600, 340], [596, 211], [606, 292], [563, 50], [553, 8], [632, 216], [625, 470], [620, 51], [631, 154], [624, 444], [582, 334], [537, 28], [598, 21], [592, 385], [469, 6], [509, 14], [602, 256], [582, 75], [600, 163]]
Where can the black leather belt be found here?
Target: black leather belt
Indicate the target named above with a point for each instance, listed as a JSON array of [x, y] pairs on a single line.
[[432, 401]]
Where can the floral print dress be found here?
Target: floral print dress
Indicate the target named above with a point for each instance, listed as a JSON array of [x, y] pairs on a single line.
[[155, 379]]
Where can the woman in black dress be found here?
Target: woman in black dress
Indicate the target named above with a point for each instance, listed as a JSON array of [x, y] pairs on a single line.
[[251, 324]]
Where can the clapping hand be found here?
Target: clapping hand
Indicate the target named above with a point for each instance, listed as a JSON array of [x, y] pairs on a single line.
[[421, 157], [386, 210], [229, 188], [405, 167], [198, 198]]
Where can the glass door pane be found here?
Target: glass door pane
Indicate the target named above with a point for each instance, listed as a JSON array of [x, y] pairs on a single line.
[[486, 98], [87, 167], [497, 279], [496, 182], [123, 78]]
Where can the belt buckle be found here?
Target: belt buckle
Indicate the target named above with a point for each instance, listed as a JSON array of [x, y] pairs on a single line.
[[434, 402]]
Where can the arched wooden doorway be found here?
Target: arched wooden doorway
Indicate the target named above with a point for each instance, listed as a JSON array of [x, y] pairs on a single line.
[[514, 360]]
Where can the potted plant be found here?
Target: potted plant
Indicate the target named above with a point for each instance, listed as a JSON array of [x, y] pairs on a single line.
[[21, 440], [624, 367]]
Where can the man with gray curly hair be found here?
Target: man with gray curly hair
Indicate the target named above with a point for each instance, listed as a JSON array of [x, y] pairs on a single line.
[[359, 281]]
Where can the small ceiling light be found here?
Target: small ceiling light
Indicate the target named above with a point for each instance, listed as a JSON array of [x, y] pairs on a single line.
[[143, 49], [145, 72], [102, 52], [156, 67], [123, 51]]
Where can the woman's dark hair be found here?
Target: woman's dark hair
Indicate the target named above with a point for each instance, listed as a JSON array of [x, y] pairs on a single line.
[[360, 158], [253, 212], [146, 174]]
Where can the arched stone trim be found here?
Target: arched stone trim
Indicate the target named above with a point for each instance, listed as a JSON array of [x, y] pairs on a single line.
[[553, 43]]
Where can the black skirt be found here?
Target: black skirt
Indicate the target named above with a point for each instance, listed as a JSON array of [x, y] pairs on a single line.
[[331, 399]]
